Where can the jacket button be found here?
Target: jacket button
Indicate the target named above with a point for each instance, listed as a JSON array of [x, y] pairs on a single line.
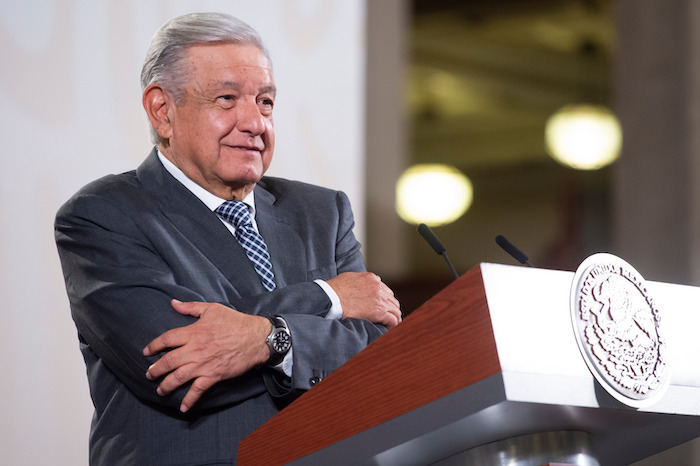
[[314, 380]]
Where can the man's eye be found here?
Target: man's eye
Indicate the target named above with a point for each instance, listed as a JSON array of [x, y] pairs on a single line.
[[267, 102], [226, 99]]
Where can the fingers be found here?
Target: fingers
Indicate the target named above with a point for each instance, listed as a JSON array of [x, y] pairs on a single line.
[[390, 307], [178, 369], [175, 379], [174, 338], [170, 339], [221, 344], [181, 376], [392, 313], [195, 309], [170, 362], [199, 386], [363, 295], [384, 305]]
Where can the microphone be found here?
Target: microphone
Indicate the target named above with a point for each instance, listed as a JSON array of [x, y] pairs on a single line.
[[437, 246], [510, 248]]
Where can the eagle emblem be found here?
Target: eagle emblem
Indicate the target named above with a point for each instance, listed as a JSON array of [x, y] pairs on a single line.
[[618, 330]]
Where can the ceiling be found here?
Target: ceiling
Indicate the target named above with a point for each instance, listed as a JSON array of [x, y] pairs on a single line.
[[484, 76]]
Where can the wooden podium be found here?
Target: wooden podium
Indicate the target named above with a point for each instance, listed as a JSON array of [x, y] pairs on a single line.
[[491, 357]]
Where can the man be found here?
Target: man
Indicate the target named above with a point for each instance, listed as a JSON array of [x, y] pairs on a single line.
[[185, 316]]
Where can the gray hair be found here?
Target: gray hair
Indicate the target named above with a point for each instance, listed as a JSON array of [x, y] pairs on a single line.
[[164, 62]]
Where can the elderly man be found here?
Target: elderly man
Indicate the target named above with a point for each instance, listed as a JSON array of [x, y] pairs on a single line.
[[206, 296]]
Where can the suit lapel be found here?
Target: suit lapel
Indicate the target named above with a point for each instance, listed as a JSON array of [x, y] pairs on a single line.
[[200, 226], [280, 228]]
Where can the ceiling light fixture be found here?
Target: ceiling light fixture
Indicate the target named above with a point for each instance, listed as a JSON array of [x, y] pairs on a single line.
[[584, 136], [433, 194]]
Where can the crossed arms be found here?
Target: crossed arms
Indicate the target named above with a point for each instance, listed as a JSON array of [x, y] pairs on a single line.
[[171, 334]]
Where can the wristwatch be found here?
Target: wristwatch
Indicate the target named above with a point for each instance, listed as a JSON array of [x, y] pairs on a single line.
[[279, 340]]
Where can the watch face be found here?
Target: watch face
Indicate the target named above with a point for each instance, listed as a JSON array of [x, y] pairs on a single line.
[[281, 342]]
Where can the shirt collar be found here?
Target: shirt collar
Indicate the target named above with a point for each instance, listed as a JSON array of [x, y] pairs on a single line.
[[209, 199]]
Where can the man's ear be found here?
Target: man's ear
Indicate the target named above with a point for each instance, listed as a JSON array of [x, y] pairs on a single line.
[[157, 102]]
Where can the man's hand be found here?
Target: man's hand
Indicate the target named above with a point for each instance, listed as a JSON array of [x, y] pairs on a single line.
[[222, 344], [364, 296]]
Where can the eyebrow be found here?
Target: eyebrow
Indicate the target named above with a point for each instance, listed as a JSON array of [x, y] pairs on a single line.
[[236, 85]]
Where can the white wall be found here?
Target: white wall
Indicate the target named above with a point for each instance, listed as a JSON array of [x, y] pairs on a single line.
[[70, 112]]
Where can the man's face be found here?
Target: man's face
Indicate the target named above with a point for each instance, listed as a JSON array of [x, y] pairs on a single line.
[[222, 134]]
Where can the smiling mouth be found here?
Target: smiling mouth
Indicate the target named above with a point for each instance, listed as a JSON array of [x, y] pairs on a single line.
[[248, 148]]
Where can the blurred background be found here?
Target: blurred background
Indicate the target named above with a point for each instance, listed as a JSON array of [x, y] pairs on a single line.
[[368, 89], [480, 80]]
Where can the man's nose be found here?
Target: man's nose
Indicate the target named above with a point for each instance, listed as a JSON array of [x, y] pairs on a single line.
[[250, 120]]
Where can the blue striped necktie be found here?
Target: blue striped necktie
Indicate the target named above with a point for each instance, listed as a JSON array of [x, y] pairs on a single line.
[[238, 215]]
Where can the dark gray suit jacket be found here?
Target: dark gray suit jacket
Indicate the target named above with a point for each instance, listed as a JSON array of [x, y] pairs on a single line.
[[130, 243]]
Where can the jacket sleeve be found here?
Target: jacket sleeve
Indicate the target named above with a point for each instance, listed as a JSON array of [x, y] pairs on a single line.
[[120, 288], [322, 345]]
